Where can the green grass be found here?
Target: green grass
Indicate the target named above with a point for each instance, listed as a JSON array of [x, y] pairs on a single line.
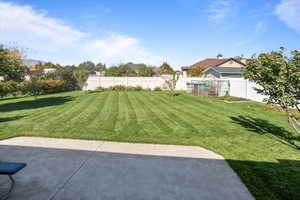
[[231, 98], [255, 140]]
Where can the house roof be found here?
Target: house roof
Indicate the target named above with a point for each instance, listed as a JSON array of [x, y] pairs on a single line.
[[33, 72], [226, 70], [211, 62]]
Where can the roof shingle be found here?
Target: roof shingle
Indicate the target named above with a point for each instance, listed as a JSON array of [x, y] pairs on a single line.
[[211, 62]]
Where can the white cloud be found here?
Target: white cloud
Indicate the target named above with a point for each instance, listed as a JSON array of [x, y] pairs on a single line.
[[118, 48], [51, 39], [219, 10], [289, 12], [27, 27]]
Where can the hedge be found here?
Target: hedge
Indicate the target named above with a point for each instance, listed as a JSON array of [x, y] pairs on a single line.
[[31, 88]]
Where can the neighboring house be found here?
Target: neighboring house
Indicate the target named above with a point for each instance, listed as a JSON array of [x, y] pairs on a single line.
[[31, 68], [96, 73], [220, 67], [38, 72]]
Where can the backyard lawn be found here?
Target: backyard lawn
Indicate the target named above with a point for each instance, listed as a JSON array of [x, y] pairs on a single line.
[[255, 139]]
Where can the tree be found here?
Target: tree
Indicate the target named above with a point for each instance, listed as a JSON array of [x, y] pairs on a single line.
[[241, 57], [11, 67], [145, 71], [125, 70], [165, 68], [171, 83], [51, 65], [279, 78], [81, 75], [100, 67], [88, 66], [66, 74], [196, 71], [121, 70]]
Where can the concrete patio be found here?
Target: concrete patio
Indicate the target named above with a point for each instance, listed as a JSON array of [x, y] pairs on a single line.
[[65, 169]]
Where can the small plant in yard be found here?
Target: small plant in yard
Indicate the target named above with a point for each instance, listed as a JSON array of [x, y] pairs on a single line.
[[118, 88], [137, 88], [157, 89], [100, 89], [171, 83]]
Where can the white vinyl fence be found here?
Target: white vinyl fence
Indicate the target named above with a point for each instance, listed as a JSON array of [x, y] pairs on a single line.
[[239, 87]]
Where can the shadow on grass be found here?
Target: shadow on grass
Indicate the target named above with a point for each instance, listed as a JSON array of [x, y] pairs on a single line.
[[7, 119], [264, 127], [270, 180], [32, 104]]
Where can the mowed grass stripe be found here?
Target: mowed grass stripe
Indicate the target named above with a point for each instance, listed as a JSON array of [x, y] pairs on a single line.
[[221, 111], [204, 124], [59, 121], [49, 111], [172, 112], [109, 116], [33, 122], [215, 107], [130, 124], [156, 119], [96, 119], [158, 108], [88, 114], [56, 110], [122, 117], [194, 113]]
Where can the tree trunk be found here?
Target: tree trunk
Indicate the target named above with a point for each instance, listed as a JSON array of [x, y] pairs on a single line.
[[293, 121]]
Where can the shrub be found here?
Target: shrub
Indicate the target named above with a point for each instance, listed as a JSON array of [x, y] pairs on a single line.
[[118, 88], [39, 87], [157, 89], [100, 89], [50, 86], [8, 88], [124, 88], [137, 88]]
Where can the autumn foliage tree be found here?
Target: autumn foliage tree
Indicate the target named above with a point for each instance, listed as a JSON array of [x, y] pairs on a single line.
[[196, 71], [278, 76], [11, 67], [165, 68]]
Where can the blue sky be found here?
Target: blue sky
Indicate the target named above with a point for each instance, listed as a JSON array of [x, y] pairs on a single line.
[[180, 32]]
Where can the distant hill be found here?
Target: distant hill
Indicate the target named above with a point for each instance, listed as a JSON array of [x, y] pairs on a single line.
[[32, 62]]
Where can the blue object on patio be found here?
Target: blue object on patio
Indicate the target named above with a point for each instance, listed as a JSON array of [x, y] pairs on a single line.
[[9, 169]]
